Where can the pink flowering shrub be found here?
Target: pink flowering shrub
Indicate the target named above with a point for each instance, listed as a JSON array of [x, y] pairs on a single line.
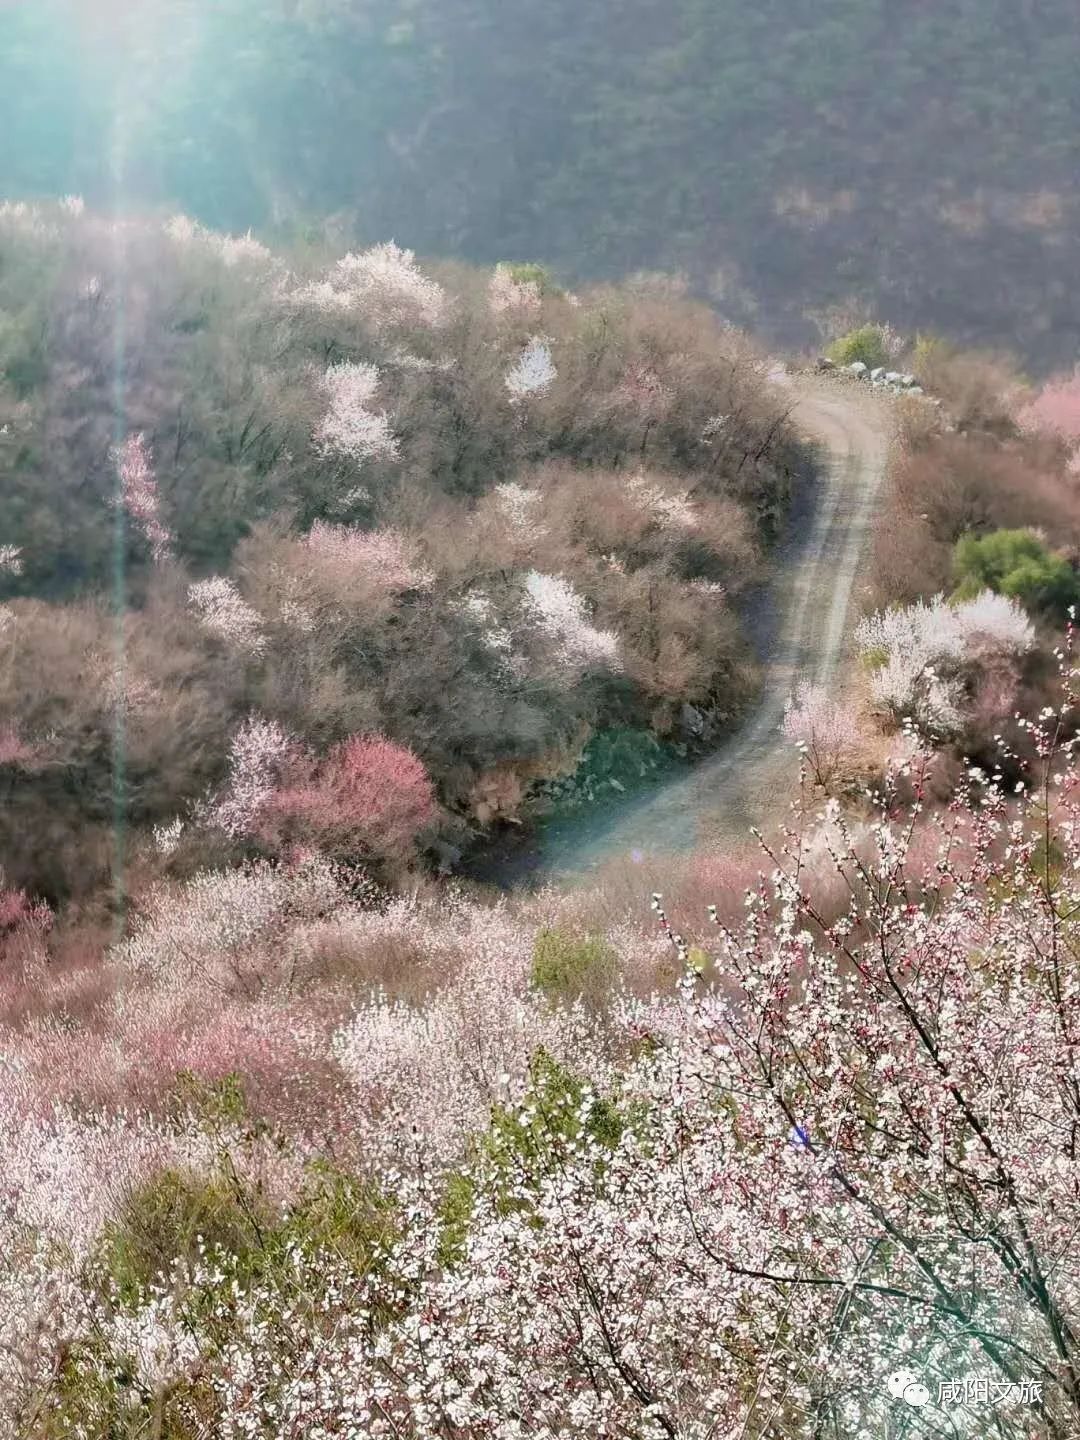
[[826, 731], [139, 494], [1056, 409], [368, 795], [379, 560]]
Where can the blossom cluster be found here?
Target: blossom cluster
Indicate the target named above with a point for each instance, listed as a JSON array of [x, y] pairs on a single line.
[[509, 295], [533, 373], [225, 613], [232, 250], [826, 730], [383, 285], [918, 649], [384, 559], [559, 612], [139, 494], [350, 428]]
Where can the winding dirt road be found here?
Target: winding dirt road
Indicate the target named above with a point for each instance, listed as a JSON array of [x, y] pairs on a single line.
[[746, 780]]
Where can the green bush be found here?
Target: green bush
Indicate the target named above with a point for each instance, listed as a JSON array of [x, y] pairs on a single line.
[[164, 1222], [529, 1140], [1016, 563], [866, 344], [565, 967], [526, 272], [459, 1197]]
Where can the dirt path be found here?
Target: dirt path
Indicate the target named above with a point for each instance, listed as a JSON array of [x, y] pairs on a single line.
[[747, 779]]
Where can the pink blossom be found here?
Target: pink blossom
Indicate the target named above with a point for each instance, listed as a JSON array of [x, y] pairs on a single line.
[[139, 494], [13, 749], [826, 731], [368, 793], [1056, 409], [383, 558]]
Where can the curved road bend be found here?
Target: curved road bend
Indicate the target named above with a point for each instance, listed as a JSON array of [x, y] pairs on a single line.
[[745, 780]]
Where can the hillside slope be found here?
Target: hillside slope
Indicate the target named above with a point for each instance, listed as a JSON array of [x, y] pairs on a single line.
[[913, 159]]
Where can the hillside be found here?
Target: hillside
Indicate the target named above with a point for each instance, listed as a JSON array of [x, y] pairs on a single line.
[[789, 160], [255, 513]]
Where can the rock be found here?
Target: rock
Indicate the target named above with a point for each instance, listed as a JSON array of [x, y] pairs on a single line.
[[857, 368], [692, 720], [916, 390], [824, 363], [907, 379], [892, 377], [878, 373], [617, 785]]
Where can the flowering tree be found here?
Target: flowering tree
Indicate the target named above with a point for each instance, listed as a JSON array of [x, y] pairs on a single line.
[[232, 250], [225, 613], [918, 650], [533, 373], [139, 494], [1055, 409], [383, 285], [11, 559], [507, 294], [383, 559], [559, 613], [368, 794], [826, 731], [349, 428], [257, 755]]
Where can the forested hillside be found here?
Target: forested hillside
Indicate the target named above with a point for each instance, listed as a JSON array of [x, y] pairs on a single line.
[[374, 533], [788, 158]]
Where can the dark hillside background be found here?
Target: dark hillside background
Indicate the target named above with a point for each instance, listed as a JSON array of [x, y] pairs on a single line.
[[911, 159]]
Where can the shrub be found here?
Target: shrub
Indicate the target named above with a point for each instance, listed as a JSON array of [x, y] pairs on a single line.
[[368, 795], [167, 1221], [565, 968], [866, 344], [1018, 564]]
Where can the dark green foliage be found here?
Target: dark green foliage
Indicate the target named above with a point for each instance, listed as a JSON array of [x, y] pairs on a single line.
[[1016, 563]]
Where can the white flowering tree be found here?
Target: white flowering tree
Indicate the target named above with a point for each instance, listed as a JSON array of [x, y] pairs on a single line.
[[350, 428], [917, 652], [559, 613], [533, 373]]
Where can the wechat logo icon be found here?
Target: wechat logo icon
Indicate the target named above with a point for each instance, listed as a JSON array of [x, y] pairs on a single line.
[[905, 1385]]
